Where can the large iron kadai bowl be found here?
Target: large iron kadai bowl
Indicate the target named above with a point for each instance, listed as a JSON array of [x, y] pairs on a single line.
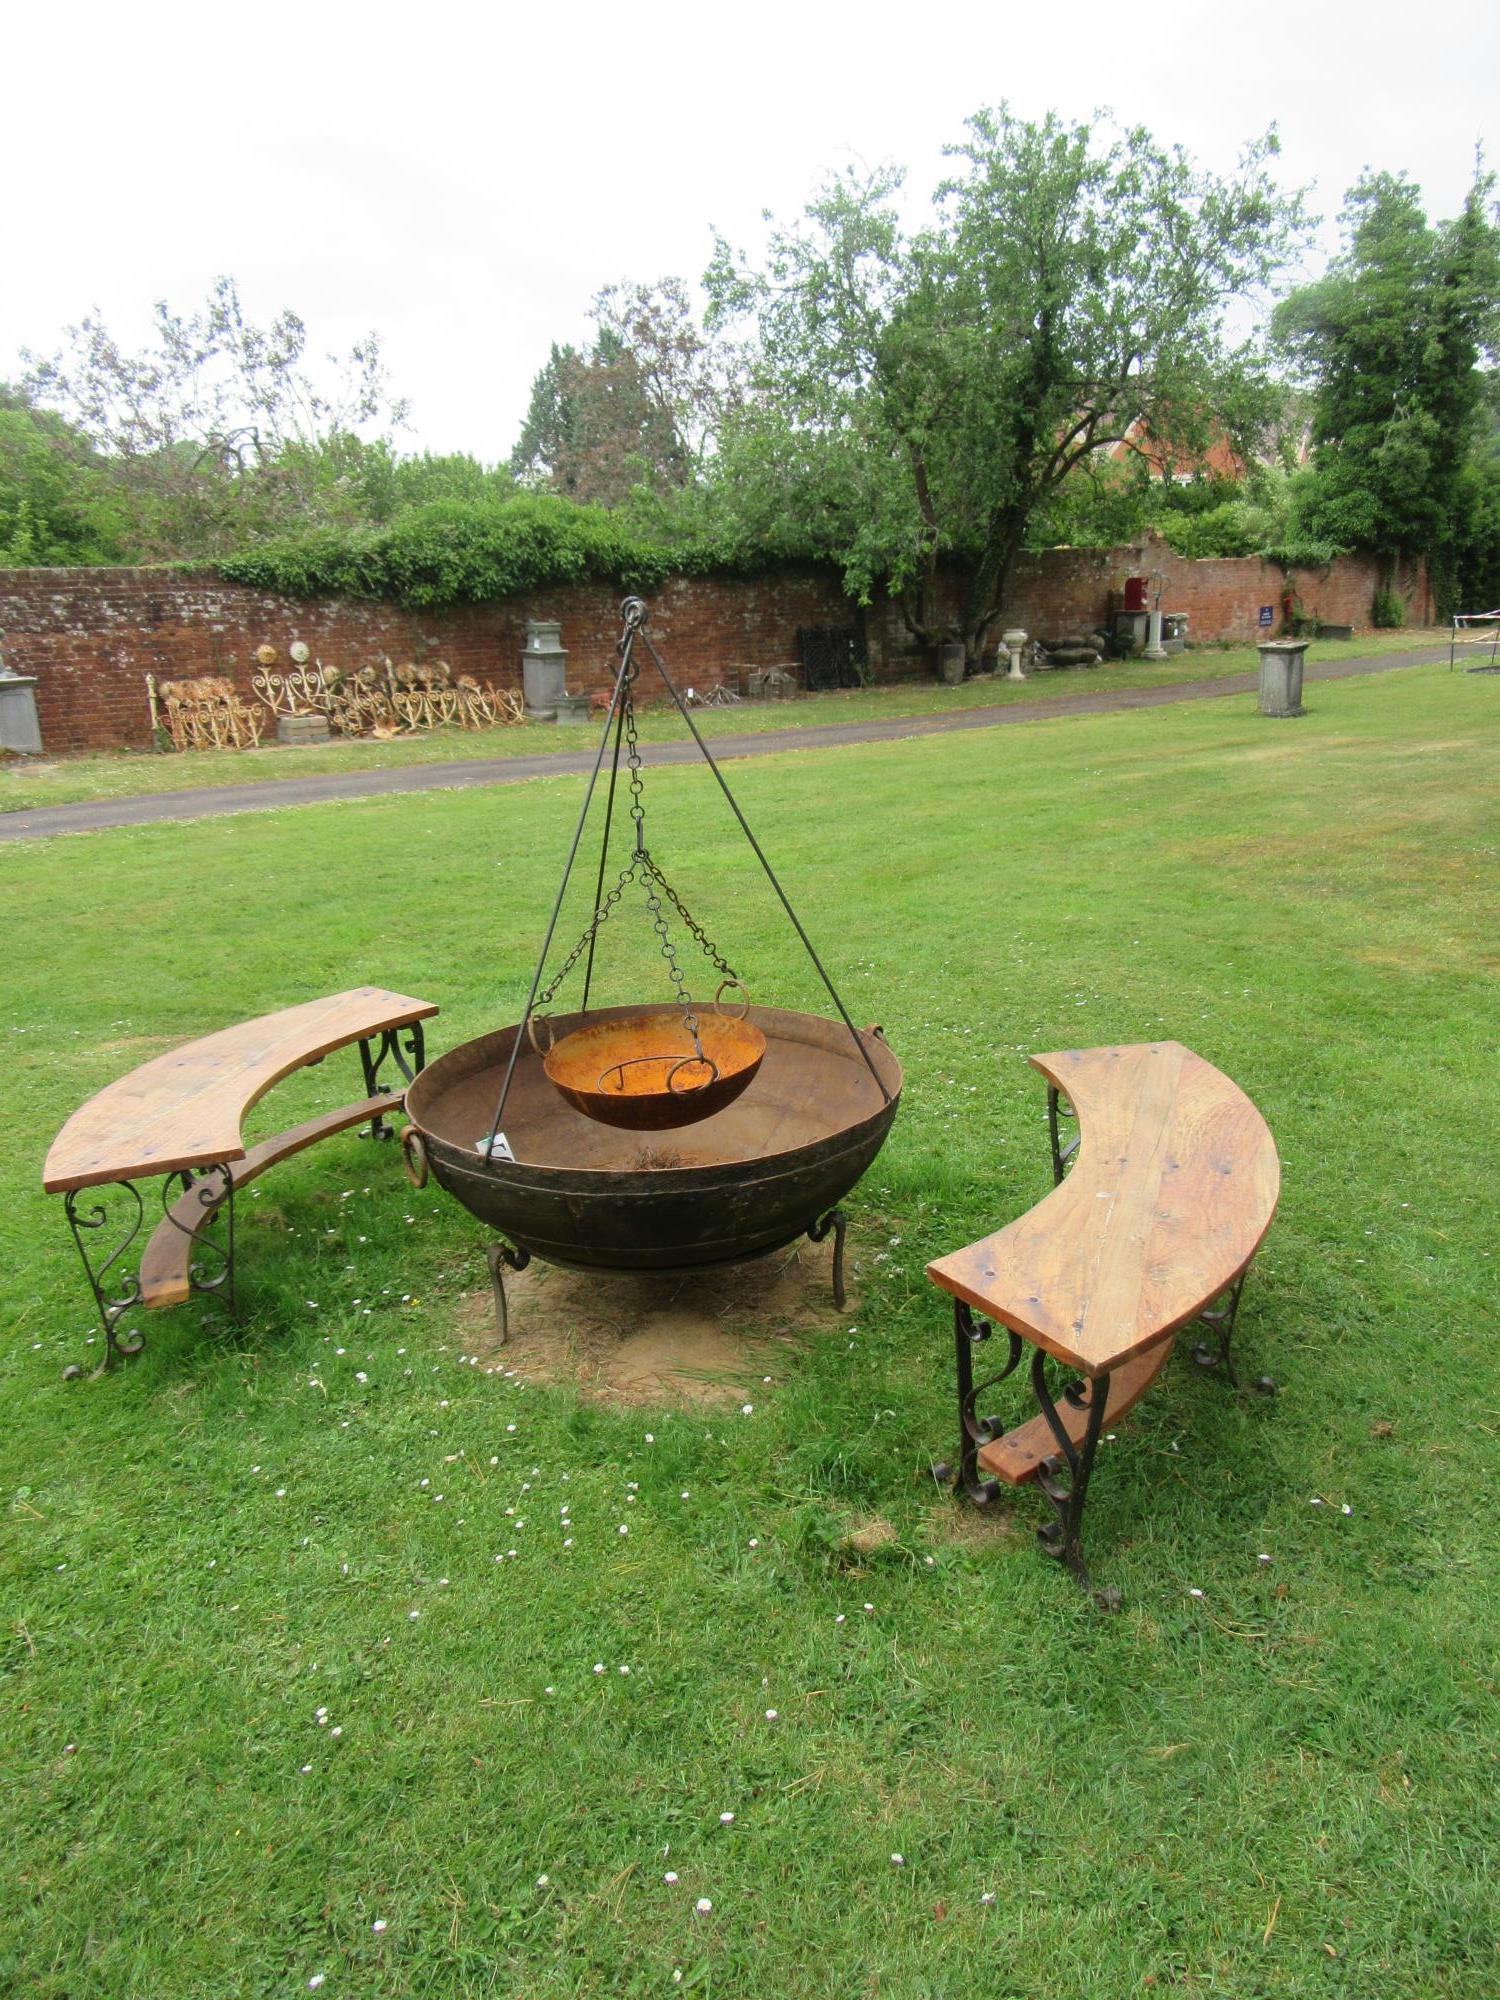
[[748, 1180]]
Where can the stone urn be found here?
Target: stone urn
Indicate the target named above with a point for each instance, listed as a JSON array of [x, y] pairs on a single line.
[[1014, 643], [1281, 663], [544, 669], [950, 663]]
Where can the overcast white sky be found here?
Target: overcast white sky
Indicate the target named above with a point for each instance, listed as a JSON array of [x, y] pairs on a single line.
[[464, 179]]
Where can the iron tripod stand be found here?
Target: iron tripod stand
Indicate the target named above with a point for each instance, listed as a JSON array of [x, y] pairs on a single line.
[[665, 908]]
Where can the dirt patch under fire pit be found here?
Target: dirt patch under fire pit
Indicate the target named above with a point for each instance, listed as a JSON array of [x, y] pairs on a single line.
[[700, 1338]]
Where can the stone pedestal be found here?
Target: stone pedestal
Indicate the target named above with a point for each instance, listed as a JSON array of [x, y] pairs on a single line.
[[1130, 629], [544, 669], [1281, 663], [1013, 642], [19, 729], [573, 708], [295, 729]]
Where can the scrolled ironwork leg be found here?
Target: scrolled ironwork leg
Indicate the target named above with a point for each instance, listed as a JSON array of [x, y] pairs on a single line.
[[1057, 1107], [1060, 1538], [214, 1189], [837, 1221], [973, 1430], [112, 1305], [498, 1255], [1220, 1319], [409, 1058]]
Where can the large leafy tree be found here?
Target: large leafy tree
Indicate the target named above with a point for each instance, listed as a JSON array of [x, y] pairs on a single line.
[[1391, 341], [921, 396]]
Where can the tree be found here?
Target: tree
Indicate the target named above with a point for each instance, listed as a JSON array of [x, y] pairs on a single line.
[[544, 451], [1476, 539], [594, 432], [923, 397], [57, 501], [688, 378], [1389, 341], [216, 432], [633, 412]]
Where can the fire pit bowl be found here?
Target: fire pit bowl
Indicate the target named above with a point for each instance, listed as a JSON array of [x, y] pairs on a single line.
[[747, 1180], [641, 1070]]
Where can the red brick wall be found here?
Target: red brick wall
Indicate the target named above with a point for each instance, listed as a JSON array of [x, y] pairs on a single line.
[[1068, 589], [92, 635]]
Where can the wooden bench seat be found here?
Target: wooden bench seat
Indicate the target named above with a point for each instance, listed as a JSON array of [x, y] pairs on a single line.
[[1173, 1184], [184, 1109], [181, 1115]]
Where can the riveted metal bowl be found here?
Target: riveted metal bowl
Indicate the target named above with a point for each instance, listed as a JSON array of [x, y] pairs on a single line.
[[744, 1181], [643, 1071]]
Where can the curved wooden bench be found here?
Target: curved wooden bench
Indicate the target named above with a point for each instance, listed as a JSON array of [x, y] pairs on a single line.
[[184, 1109], [1173, 1185], [181, 1115]]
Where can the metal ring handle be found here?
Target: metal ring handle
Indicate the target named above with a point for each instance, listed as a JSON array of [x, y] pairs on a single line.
[[531, 1021], [745, 1008], [692, 1062], [414, 1156]]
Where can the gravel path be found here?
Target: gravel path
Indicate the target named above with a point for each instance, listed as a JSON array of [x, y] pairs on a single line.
[[210, 802]]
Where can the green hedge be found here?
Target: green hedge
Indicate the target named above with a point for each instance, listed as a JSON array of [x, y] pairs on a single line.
[[457, 552], [473, 552]]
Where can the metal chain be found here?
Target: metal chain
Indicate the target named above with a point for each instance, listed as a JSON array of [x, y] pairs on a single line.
[[643, 868], [643, 860], [710, 949], [601, 917]]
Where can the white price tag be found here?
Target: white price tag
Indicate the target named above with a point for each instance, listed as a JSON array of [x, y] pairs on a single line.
[[497, 1148]]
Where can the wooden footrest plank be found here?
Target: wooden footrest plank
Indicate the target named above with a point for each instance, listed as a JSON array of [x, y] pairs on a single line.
[[168, 1258], [1020, 1454]]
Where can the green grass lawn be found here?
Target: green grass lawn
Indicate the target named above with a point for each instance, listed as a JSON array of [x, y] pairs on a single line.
[[67, 781], [1286, 1786]]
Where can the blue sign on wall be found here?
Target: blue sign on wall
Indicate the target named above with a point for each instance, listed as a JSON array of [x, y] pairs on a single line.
[[1266, 614]]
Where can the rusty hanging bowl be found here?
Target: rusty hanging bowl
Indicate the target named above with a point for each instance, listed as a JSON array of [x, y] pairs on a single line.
[[643, 1072]]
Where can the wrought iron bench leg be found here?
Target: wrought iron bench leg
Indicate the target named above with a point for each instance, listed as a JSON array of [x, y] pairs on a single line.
[[1058, 1107], [835, 1220], [496, 1255], [1219, 1318], [214, 1187], [973, 1430], [114, 1296], [372, 1056], [1064, 1478]]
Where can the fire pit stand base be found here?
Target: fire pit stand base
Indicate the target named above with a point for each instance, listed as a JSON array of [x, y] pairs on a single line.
[[499, 1255], [836, 1221], [496, 1255]]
